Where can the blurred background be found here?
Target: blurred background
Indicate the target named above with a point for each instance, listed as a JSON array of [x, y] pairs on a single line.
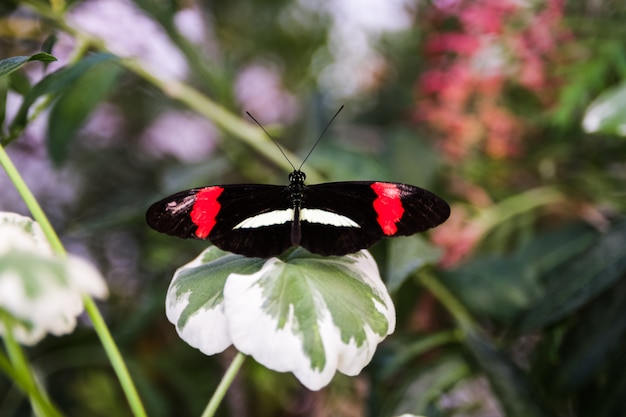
[[512, 110]]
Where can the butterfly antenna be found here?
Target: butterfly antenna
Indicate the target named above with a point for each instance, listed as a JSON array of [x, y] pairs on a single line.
[[320, 138], [273, 140]]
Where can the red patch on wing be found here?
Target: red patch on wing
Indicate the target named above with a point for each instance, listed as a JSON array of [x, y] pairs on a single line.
[[388, 206], [205, 209]]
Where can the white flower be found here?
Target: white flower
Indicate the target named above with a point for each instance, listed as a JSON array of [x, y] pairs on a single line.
[[40, 292], [306, 314]]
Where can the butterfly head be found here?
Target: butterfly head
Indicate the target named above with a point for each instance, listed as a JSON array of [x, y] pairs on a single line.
[[297, 177]]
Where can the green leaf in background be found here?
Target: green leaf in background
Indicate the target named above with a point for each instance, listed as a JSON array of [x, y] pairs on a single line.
[[421, 395], [408, 348], [9, 65], [580, 279], [4, 90], [75, 105], [607, 114], [591, 344], [511, 385], [19, 83], [49, 43], [407, 255], [505, 287], [54, 83]]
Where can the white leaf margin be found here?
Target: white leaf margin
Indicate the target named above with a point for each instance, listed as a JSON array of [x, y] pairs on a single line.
[[42, 292], [606, 113], [240, 319]]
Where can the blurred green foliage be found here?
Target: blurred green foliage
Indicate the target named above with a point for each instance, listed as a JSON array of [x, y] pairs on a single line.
[[532, 302]]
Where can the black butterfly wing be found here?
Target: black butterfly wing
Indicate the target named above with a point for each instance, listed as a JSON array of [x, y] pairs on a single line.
[[379, 209], [335, 218], [214, 213]]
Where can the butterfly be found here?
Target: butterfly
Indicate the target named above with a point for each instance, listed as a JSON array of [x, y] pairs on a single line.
[[330, 219]]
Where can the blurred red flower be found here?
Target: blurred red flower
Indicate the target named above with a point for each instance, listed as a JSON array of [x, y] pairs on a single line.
[[494, 45]]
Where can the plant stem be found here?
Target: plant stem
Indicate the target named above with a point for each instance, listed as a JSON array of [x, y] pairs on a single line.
[[31, 203], [115, 357], [227, 379], [221, 117], [452, 304], [5, 366], [192, 98], [57, 5], [23, 377], [94, 314], [516, 205]]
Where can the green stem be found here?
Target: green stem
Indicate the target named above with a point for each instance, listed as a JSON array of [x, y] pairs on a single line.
[[411, 350], [94, 314], [31, 203], [449, 301], [115, 357], [221, 117], [517, 204], [5, 366], [43, 104], [57, 5], [23, 377], [192, 98], [226, 381]]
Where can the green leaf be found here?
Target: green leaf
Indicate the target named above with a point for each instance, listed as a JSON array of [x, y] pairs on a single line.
[[407, 255], [19, 83], [195, 299], [76, 104], [510, 384], [607, 114], [4, 90], [408, 349], [422, 394], [53, 84], [307, 314], [49, 43], [574, 283], [587, 346], [9, 65], [503, 288]]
